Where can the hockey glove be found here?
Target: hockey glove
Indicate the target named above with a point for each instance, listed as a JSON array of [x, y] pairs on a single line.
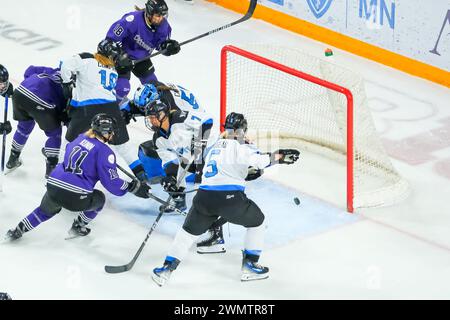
[[169, 183], [5, 127], [284, 156], [124, 63], [127, 116], [9, 91], [141, 190], [67, 87], [254, 173], [63, 116], [169, 47]]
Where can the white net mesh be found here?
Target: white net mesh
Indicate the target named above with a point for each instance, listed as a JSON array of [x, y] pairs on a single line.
[[309, 116]]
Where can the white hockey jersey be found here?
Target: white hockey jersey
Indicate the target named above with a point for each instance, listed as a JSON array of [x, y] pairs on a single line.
[[227, 163], [95, 83], [185, 99], [185, 126]]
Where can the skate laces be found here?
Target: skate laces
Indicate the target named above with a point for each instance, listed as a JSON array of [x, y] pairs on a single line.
[[166, 269], [254, 266], [80, 226], [16, 233], [214, 237]]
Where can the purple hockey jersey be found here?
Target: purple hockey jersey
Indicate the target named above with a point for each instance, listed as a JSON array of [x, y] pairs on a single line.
[[43, 86], [87, 161], [137, 39]]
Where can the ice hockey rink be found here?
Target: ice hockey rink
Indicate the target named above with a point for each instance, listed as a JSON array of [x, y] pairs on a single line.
[[314, 251]]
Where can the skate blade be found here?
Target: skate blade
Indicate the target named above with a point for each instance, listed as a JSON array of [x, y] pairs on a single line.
[[158, 280], [251, 277], [71, 235], [212, 249], [8, 171], [7, 240], [174, 213]]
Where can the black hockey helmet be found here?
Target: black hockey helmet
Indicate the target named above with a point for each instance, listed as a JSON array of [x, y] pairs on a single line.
[[110, 49], [5, 296], [103, 124], [4, 79], [155, 107], [156, 7], [235, 121]]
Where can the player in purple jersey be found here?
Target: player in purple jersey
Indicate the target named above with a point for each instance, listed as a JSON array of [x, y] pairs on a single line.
[[88, 159], [6, 90], [139, 33], [38, 99]]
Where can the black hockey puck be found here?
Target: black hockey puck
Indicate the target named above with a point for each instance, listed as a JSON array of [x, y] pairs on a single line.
[[297, 201]]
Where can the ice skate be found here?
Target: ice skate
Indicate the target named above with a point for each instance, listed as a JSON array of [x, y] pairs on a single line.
[[251, 270], [214, 243], [77, 230], [14, 162], [13, 235], [178, 202], [50, 163], [162, 275]]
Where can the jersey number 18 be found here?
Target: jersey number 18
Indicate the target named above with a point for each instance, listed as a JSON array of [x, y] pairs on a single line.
[[112, 80]]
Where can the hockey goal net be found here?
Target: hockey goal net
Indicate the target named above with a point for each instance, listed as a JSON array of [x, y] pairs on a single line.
[[302, 101]]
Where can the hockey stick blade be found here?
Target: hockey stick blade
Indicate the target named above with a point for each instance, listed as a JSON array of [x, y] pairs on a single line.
[[248, 15], [118, 269], [128, 266]]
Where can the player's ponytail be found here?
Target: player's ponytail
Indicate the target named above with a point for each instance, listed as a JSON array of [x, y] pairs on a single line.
[[137, 8], [90, 134], [166, 88], [103, 60]]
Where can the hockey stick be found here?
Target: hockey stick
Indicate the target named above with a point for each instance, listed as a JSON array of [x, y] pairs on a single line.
[[248, 15], [165, 203], [183, 192], [129, 265], [5, 118]]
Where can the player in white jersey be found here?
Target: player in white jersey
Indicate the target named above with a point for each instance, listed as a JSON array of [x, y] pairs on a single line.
[[93, 78], [176, 98], [179, 140], [221, 194]]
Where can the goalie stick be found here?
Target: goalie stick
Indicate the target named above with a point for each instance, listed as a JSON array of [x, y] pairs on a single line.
[[129, 265], [248, 15]]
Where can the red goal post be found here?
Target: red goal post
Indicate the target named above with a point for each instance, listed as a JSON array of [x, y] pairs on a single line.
[[246, 57]]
